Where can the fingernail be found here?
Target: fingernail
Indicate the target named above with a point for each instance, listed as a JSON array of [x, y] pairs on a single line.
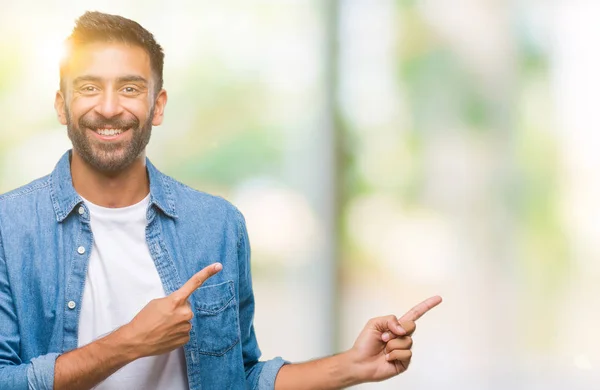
[[218, 266], [401, 329], [387, 356], [385, 336]]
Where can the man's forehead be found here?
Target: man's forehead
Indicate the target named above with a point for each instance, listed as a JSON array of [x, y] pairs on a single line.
[[108, 60]]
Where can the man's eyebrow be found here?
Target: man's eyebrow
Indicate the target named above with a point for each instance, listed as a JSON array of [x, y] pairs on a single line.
[[132, 79], [120, 80], [86, 78]]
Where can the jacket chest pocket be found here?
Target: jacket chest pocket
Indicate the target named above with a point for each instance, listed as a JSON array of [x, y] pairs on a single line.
[[216, 318]]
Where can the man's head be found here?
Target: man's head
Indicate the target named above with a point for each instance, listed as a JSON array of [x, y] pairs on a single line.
[[94, 27], [110, 90]]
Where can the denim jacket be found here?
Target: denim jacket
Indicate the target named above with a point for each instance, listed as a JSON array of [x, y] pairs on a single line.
[[45, 244]]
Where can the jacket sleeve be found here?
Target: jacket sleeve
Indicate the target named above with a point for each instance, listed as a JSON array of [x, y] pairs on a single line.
[[259, 375], [38, 374]]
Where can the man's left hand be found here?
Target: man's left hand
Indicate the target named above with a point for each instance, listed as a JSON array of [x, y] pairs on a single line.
[[383, 348]]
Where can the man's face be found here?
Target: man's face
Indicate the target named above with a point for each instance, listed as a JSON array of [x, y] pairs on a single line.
[[109, 104]]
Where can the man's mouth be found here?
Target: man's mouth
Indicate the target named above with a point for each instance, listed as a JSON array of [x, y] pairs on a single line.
[[105, 133], [109, 132]]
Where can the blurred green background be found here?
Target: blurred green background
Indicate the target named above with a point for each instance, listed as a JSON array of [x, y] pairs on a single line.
[[382, 152]]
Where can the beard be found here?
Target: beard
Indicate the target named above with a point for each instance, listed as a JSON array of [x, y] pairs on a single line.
[[109, 157]]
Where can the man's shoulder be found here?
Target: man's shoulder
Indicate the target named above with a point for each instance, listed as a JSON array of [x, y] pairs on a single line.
[[26, 207], [26, 192], [187, 196]]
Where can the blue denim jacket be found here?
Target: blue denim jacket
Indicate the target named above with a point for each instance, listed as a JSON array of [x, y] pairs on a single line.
[[45, 243]]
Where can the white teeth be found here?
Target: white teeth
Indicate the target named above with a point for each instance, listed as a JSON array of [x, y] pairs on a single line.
[[109, 132]]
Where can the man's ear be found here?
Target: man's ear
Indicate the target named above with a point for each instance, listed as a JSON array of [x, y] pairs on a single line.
[[59, 106], [159, 108]]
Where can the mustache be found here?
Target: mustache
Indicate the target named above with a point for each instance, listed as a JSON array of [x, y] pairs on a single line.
[[115, 123]]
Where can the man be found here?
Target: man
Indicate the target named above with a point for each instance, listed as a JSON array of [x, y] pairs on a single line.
[[99, 281]]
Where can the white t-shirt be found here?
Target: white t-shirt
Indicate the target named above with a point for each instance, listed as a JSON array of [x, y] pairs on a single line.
[[121, 279]]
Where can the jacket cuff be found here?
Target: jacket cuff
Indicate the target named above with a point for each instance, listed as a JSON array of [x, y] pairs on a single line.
[[266, 380], [40, 373]]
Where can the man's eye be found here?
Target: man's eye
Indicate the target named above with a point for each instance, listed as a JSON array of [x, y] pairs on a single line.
[[89, 88], [130, 90]]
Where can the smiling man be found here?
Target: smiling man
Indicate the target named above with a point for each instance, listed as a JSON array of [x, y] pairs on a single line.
[[103, 263]]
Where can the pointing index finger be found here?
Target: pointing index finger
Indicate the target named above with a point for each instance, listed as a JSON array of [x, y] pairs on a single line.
[[196, 281], [417, 312]]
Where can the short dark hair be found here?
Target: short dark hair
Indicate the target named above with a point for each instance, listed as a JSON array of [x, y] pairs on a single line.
[[100, 27]]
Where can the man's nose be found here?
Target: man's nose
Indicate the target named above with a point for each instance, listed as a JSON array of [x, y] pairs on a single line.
[[109, 105]]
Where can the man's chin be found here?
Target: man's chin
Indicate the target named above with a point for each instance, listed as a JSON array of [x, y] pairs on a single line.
[[108, 162]]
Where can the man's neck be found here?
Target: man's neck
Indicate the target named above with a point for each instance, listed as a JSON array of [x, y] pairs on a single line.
[[122, 189]]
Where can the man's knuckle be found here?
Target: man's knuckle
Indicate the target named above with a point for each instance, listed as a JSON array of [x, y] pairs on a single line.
[[409, 326], [188, 315]]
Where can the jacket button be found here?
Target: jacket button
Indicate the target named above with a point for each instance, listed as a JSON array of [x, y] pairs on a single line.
[[81, 210], [71, 305], [81, 250]]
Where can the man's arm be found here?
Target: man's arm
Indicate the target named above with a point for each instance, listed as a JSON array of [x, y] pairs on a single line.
[[13, 373], [330, 373], [260, 375], [85, 367], [381, 351]]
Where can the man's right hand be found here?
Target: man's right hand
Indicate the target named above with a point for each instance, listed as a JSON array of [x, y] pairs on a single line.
[[164, 324]]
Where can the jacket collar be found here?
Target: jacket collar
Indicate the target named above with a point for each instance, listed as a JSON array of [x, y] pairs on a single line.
[[65, 199]]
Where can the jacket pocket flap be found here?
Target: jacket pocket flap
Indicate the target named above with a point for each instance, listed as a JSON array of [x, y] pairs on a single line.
[[214, 298]]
